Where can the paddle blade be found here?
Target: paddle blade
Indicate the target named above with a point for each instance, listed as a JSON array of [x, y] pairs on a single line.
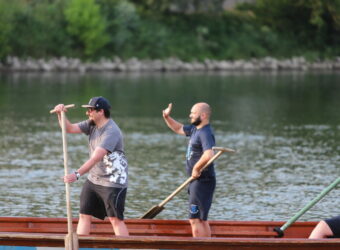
[[71, 241], [152, 212]]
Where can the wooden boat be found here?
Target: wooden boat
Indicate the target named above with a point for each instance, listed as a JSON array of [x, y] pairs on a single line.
[[163, 234]]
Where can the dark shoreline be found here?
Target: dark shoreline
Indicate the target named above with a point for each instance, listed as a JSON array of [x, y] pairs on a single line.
[[63, 64]]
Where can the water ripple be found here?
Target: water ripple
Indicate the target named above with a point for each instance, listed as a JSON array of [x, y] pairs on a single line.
[[272, 175]]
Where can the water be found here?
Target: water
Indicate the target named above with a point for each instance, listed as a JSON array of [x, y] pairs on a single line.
[[285, 127]]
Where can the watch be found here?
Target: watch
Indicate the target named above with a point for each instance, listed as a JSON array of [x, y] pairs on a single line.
[[77, 174]]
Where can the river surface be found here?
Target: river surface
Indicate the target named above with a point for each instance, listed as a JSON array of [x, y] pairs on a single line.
[[285, 127]]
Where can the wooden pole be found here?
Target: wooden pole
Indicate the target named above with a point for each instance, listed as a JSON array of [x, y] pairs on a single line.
[[71, 240]]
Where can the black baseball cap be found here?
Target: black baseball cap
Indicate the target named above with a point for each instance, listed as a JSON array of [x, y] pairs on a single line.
[[97, 103]]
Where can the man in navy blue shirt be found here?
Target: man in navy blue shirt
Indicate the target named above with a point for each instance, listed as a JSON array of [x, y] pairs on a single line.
[[199, 152]]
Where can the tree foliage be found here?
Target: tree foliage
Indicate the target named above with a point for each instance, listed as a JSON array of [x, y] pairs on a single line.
[[86, 24], [123, 24], [189, 30], [7, 13], [39, 30], [180, 6], [316, 22]]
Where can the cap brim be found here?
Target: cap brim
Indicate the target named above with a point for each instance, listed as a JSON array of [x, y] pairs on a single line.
[[87, 106]]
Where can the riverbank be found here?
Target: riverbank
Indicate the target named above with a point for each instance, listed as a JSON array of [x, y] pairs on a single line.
[[15, 64]]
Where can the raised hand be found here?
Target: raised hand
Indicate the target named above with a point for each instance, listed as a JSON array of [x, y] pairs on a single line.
[[167, 111]]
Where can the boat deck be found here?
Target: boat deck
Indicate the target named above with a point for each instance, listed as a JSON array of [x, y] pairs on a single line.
[[164, 234], [151, 227]]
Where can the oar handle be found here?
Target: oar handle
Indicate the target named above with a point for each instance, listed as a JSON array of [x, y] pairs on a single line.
[[66, 106], [281, 230], [220, 151], [227, 150]]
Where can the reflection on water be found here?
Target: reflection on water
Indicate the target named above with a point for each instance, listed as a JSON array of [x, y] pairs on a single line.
[[286, 153]]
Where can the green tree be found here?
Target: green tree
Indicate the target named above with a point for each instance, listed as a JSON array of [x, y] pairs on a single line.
[[180, 6], [123, 24], [7, 13], [87, 25], [39, 30], [314, 22]]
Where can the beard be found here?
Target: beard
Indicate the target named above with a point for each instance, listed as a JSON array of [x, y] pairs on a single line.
[[92, 123], [197, 121]]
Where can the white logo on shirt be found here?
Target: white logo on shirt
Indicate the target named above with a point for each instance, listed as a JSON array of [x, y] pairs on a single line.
[[116, 165]]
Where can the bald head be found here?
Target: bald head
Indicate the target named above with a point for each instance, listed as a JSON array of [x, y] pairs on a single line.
[[200, 114], [203, 107]]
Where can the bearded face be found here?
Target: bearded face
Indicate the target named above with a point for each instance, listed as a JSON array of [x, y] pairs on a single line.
[[196, 121]]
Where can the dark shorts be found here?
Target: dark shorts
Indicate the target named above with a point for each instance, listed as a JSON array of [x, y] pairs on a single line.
[[334, 225], [100, 201], [201, 193]]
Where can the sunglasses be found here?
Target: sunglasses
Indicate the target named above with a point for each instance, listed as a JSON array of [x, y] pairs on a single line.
[[90, 109]]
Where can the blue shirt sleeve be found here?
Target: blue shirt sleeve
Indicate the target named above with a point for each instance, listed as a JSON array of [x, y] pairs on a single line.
[[188, 129], [207, 139]]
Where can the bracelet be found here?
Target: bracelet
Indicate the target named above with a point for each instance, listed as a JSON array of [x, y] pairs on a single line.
[[77, 174]]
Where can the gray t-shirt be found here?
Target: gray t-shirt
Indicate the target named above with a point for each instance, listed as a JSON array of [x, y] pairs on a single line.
[[112, 171]]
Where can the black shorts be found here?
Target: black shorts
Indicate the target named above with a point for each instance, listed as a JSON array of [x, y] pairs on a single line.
[[334, 225], [100, 201], [201, 193]]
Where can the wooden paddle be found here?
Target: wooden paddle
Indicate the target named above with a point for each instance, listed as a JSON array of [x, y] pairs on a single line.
[[152, 212], [71, 239], [280, 230], [66, 106]]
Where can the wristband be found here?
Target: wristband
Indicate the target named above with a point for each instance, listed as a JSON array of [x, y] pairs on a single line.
[[77, 174]]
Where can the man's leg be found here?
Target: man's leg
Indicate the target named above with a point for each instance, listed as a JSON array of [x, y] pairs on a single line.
[[84, 224], [207, 227], [200, 228], [321, 230], [119, 226]]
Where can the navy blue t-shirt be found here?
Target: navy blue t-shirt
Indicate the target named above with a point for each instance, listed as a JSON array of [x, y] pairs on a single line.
[[200, 140]]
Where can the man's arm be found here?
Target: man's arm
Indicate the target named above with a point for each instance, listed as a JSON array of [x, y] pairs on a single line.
[[97, 155], [174, 125], [70, 127], [206, 156]]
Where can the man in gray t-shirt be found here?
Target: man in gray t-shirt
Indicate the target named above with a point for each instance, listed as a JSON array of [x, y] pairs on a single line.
[[104, 191], [112, 170]]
